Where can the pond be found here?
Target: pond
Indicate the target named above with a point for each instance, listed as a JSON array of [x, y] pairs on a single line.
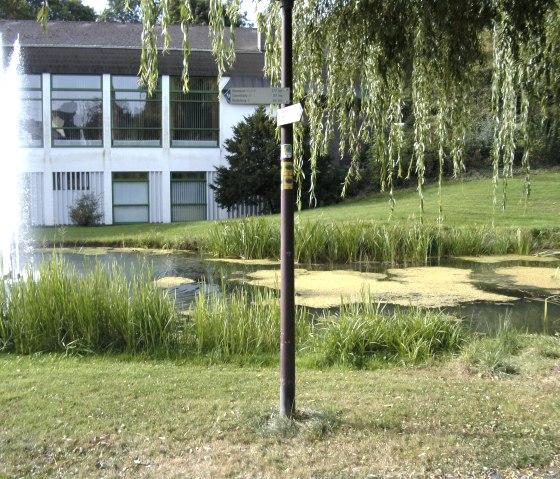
[[484, 291]]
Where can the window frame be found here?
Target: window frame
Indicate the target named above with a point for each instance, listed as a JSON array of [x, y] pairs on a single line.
[[145, 180], [202, 178], [136, 143], [100, 101], [179, 91], [22, 91]]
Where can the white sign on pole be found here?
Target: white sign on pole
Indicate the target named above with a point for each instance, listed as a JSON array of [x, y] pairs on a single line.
[[289, 114], [257, 96]]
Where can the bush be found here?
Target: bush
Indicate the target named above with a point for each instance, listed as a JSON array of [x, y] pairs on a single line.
[[86, 211]]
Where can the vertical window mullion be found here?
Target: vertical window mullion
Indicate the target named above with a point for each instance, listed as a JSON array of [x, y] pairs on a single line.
[[195, 115], [136, 117]]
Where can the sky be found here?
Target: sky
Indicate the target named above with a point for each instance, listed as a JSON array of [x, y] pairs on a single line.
[[99, 6]]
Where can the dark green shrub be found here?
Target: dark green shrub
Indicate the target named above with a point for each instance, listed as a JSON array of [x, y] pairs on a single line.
[[86, 210]]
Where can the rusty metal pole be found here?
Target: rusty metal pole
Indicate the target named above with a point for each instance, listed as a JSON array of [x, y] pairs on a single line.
[[287, 307]]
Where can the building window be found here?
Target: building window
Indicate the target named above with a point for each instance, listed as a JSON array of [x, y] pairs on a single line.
[[31, 112], [71, 181], [131, 195], [195, 115], [188, 196], [136, 115], [77, 110]]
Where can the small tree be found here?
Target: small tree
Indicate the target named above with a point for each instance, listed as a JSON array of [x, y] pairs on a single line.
[[253, 174], [86, 210]]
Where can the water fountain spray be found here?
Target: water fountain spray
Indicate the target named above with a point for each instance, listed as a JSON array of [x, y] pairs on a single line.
[[11, 162]]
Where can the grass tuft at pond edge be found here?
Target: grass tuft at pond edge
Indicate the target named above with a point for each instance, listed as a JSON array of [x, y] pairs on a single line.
[[315, 241], [364, 336], [59, 310]]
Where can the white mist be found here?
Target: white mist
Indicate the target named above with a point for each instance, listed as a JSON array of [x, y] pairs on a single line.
[[11, 161]]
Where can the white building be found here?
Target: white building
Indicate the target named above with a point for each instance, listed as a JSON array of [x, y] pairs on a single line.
[[88, 126]]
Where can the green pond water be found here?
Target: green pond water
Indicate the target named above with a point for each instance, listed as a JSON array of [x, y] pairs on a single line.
[[521, 302]]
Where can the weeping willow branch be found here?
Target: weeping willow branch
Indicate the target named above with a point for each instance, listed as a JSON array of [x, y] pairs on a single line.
[[186, 19], [148, 72], [373, 72]]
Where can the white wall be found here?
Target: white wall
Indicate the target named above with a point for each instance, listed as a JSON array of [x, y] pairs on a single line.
[[158, 161]]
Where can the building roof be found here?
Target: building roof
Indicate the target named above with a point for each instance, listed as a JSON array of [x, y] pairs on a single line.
[[105, 47]]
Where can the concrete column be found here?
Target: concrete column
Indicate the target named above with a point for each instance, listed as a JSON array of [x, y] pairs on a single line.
[[165, 118], [106, 111], [107, 158], [166, 149], [48, 194]]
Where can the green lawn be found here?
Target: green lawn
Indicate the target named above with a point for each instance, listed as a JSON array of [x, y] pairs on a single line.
[[109, 417], [465, 203], [120, 235], [463, 417]]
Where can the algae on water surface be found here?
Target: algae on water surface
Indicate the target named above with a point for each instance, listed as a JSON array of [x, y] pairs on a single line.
[[542, 278], [171, 281], [422, 286]]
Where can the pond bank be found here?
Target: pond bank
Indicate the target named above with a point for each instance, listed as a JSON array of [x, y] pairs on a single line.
[[484, 291], [315, 241]]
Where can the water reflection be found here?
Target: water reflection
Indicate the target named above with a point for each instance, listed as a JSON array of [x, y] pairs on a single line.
[[525, 315], [525, 311]]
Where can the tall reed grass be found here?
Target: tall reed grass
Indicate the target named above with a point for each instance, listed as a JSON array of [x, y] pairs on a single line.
[[247, 323], [58, 309], [317, 241], [247, 238], [476, 241], [363, 335], [241, 322]]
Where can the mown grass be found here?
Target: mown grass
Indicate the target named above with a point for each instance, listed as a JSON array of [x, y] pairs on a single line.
[[111, 417], [468, 215], [184, 236], [440, 402], [429, 401], [465, 203]]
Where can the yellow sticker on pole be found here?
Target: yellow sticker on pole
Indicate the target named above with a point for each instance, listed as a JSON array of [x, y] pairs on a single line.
[[287, 174]]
